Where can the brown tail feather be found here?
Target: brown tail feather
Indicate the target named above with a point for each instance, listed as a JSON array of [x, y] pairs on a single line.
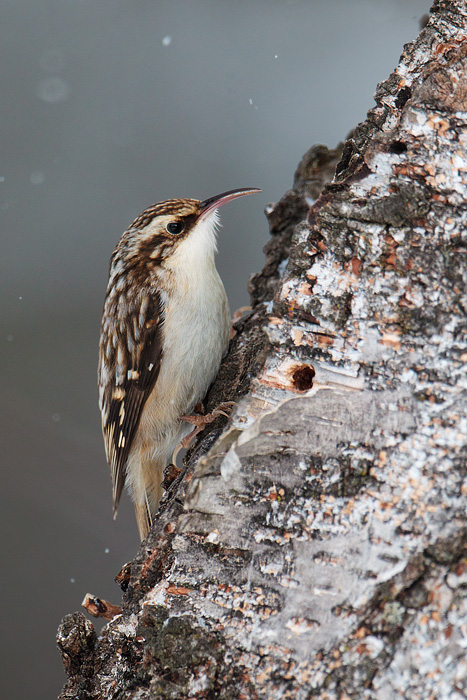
[[143, 518]]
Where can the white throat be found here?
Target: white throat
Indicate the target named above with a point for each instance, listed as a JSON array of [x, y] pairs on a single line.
[[196, 252]]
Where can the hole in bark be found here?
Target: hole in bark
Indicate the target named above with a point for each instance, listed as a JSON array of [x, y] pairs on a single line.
[[397, 147], [303, 378], [402, 96]]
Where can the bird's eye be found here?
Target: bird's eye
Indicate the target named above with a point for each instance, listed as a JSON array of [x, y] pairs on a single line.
[[175, 227]]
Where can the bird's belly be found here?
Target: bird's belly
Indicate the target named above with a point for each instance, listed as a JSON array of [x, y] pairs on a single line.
[[196, 335]]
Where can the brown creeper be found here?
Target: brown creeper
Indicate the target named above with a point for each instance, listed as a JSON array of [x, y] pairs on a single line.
[[165, 328]]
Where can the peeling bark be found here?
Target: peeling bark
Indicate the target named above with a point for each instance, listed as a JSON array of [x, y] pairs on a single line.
[[315, 546]]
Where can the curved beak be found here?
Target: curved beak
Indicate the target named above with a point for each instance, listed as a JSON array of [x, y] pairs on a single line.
[[215, 202]]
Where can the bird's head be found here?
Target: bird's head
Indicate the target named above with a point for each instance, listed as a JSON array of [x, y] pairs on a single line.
[[178, 228]]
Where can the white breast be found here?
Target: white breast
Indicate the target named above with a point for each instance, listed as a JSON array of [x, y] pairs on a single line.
[[196, 330], [196, 334]]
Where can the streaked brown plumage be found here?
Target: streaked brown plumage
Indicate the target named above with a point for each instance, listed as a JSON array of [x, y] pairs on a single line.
[[164, 330]]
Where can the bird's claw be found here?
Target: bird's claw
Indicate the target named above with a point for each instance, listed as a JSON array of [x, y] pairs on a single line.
[[201, 421]]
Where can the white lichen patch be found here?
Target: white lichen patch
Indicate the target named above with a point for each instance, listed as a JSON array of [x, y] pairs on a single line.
[[126, 626]]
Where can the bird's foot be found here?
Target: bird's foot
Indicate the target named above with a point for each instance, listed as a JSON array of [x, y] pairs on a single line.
[[200, 421], [239, 313]]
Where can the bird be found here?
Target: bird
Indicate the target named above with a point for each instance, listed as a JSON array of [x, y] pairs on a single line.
[[165, 329]]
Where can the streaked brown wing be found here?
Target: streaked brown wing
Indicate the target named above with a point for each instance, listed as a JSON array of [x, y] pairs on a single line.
[[127, 374]]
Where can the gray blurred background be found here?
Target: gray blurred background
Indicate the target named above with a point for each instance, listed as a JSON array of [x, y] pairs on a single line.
[[106, 107]]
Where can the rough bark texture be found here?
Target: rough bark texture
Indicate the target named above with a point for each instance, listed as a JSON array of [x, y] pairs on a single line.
[[316, 545]]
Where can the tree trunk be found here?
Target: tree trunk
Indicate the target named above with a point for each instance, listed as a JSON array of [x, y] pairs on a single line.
[[316, 546]]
